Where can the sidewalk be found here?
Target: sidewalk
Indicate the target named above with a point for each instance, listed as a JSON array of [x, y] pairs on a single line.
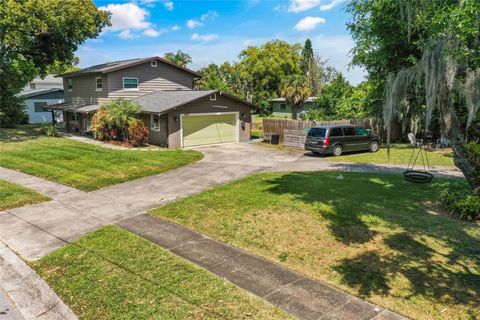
[[291, 291], [25, 294]]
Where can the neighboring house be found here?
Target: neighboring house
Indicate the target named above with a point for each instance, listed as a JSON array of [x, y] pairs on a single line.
[[280, 107], [36, 102], [175, 114], [40, 93], [49, 82]]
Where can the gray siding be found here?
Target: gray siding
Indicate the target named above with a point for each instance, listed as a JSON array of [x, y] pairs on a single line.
[[83, 90], [206, 106], [163, 77], [158, 138]]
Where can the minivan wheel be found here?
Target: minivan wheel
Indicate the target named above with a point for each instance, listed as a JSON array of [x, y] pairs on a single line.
[[337, 150], [374, 146]]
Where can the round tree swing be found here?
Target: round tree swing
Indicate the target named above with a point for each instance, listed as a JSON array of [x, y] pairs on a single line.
[[418, 176]]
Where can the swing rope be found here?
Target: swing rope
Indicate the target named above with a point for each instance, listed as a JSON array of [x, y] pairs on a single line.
[[418, 176]]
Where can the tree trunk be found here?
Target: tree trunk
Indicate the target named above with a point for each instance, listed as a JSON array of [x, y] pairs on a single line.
[[451, 130], [294, 112]]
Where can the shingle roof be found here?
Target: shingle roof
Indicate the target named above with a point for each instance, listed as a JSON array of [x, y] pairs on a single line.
[[38, 92], [117, 65], [161, 101]]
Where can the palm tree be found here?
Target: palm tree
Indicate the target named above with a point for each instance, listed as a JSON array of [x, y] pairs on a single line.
[[296, 91], [120, 113], [180, 58]]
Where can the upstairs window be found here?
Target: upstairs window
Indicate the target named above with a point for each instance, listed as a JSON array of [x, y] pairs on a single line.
[[213, 97], [155, 122], [153, 63], [38, 106], [130, 83], [98, 84], [69, 84]]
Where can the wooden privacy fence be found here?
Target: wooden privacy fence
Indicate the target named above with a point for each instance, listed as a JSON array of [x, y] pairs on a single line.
[[272, 125]]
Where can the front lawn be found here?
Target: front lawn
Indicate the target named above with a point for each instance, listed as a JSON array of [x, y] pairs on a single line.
[[88, 167], [13, 196], [377, 237], [21, 132], [114, 274], [399, 154]]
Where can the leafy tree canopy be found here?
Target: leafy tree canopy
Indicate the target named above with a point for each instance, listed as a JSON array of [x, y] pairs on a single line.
[[35, 35]]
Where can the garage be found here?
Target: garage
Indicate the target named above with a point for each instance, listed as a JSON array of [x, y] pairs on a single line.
[[200, 129]]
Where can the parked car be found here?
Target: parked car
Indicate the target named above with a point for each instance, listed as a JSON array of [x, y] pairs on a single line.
[[337, 139]]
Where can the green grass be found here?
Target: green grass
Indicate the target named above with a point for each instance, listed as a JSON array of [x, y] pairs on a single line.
[[14, 196], [400, 154], [85, 166], [375, 236], [113, 274], [22, 132]]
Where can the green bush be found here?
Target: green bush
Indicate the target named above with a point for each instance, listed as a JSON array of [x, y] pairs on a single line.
[[49, 131], [473, 155], [464, 206]]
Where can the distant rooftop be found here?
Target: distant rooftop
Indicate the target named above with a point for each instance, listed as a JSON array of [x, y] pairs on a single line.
[[38, 92], [309, 99], [117, 65]]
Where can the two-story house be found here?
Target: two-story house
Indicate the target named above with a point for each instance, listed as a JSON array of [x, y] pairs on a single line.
[[175, 113]]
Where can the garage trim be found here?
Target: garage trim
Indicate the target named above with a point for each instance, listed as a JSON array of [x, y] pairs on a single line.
[[237, 122]]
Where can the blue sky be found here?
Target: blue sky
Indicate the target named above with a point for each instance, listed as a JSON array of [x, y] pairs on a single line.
[[216, 31]]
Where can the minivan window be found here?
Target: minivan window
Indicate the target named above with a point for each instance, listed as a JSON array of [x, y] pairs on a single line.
[[361, 132], [317, 132], [349, 131], [336, 132]]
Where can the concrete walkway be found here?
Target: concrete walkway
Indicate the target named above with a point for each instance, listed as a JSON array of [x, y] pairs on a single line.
[[23, 295], [291, 291]]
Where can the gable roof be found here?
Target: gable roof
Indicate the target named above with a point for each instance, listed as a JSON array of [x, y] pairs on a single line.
[[38, 92], [176, 98], [117, 65]]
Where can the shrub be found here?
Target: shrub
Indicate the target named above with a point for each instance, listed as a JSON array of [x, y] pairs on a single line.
[[137, 132], [120, 113], [100, 125], [49, 131], [472, 150], [464, 206]]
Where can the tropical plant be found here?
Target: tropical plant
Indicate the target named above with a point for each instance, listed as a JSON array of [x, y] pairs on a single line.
[[120, 113], [35, 35], [296, 91], [180, 58], [137, 133], [99, 124], [332, 94]]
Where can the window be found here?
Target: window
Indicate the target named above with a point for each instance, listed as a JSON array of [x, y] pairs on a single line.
[[38, 106], [70, 84], [33, 86], [317, 132], [361, 132], [130, 83], [153, 63], [213, 97], [98, 84], [73, 117], [349, 131], [283, 106], [336, 132], [155, 122]]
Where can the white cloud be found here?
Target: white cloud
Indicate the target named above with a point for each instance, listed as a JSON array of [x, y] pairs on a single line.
[[127, 16], [168, 5], [126, 34], [204, 37], [175, 28], [309, 23], [152, 33], [331, 5], [192, 24], [304, 5], [210, 15]]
